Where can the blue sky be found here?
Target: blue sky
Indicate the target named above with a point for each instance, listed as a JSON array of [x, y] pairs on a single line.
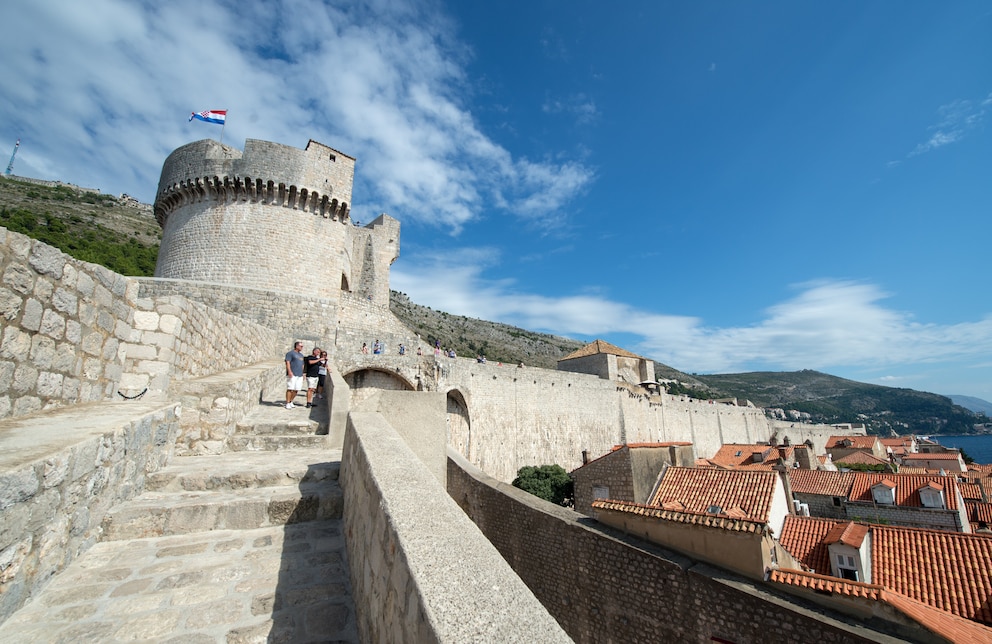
[[718, 186]]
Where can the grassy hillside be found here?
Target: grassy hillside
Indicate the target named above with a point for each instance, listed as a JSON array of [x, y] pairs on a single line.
[[119, 234]]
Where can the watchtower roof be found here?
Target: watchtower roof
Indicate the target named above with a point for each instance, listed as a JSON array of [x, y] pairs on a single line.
[[598, 347]]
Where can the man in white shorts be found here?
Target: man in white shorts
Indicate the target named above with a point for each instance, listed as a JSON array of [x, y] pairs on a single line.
[[294, 373]]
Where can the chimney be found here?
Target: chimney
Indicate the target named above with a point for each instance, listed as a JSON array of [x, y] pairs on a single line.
[[585, 457], [803, 456]]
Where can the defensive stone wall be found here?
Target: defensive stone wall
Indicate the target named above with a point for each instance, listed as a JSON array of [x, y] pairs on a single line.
[[597, 581], [529, 416], [420, 570], [65, 324], [60, 473]]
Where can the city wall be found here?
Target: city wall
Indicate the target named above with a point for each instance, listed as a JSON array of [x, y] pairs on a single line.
[[60, 472], [420, 570], [595, 581]]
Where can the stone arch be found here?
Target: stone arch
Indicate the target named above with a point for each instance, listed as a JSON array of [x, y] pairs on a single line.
[[459, 424], [365, 381]]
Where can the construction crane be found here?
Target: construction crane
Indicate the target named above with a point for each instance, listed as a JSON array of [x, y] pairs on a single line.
[[10, 166]]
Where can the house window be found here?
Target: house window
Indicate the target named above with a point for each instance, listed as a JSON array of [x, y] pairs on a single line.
[[600, 492], [847, 568], [837, 501], [931, 498], [883, 494]]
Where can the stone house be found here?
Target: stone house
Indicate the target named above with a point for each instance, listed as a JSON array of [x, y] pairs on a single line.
[[911, 500], [627, 473], [609, 362], [840, 446], [947, 461]]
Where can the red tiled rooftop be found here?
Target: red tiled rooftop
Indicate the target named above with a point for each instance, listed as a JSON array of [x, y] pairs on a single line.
[[951, 571], [940, 456], [857, 442], [979, 512], [850, 534], [820, 482], [721, 521], [597, 347], [945, 624], [743, 455], [700, 488], [970, 491], [907, 487], [861, 458]]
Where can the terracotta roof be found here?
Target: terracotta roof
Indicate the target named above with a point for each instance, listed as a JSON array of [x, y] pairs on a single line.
[[742, 455], [857, 442], [597, 347], [948, 570], [948, 625], [862, 458], [720, 521], [804, 538], [937, 456], [850, 534], [899, 441], [820, 482], [972, 491], [907, 487], [826, 583], [979, 467], [700, 488], [905, 469], [979, 512], [951, 571]]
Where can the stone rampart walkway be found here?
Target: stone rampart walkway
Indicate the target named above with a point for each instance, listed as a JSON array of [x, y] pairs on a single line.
[[245, 546]]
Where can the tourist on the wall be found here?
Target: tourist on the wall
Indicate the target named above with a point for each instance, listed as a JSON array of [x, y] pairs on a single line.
[[294, 373], [322, 375], [312, 365], [365, 348]]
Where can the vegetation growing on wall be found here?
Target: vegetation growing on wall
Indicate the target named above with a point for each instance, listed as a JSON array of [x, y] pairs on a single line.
[[549, 482]]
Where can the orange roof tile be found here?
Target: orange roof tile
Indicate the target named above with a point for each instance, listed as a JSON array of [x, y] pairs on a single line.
[[820, 482], [948, 625], [941, 456], [720, 521], [948, 570], [850, 534], [951, 571], [804, 538], [857, 442], [743, 455], [700, 489], [598, 347], [863, 458], [907, 487], [979, 512]]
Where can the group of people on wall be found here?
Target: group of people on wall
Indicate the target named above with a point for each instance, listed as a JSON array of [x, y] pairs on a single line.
[[305, 372]]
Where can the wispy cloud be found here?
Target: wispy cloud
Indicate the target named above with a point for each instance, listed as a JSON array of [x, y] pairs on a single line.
[[100, 91], [956, 120], [580, 106], [827, 324]]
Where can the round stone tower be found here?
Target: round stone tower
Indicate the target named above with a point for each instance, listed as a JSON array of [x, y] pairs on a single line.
[[272, 217]]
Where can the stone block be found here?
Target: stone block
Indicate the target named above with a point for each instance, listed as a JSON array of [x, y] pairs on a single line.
[[15, 345], [43, 289], [47, 260], [25, 378], [73, 331], [146, 320], [10, 304], [17, 486], [65, 302], [50, 384], [19, 279], [26, 405], [33, 310], [52, 324]]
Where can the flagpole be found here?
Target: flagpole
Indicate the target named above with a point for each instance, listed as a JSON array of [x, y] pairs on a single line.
[[222, 126]]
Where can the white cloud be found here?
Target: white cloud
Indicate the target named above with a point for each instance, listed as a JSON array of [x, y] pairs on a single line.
[[827, 325], [100, 92], [957, 118]]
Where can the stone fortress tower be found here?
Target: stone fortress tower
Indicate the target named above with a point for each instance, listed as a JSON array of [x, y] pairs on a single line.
[[273, 218]]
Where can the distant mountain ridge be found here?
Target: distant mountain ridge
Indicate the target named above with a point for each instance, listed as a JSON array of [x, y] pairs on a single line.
[[976, 405], [64, 217]]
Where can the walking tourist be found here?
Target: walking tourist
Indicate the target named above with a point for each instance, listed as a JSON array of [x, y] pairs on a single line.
[[312, 364], [294, 373]]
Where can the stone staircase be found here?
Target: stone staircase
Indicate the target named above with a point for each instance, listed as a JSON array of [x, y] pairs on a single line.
[[244, 546]]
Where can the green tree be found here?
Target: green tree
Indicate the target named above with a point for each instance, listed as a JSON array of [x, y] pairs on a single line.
[[549, 482]]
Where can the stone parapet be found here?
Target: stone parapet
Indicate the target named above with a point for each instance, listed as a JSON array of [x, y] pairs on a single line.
[[420, 571], [65, 325], [60, 473]]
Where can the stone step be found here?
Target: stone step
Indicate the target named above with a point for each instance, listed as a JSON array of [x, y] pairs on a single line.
[[277, 584], [156, 514], [263, 443], [286, 428], [245, 469]]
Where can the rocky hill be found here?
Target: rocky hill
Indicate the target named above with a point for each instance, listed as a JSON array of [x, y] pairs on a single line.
[[122, 234]]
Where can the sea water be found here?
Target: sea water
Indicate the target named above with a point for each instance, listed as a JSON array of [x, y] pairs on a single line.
[[977, 447]]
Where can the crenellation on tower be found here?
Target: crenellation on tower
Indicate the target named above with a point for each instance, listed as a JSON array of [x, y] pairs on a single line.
[[271, 217]]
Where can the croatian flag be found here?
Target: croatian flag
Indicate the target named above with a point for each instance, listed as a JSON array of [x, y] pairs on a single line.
[[210, 116]]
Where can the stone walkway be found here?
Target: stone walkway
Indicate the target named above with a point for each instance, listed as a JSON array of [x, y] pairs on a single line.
[[255, 551]]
